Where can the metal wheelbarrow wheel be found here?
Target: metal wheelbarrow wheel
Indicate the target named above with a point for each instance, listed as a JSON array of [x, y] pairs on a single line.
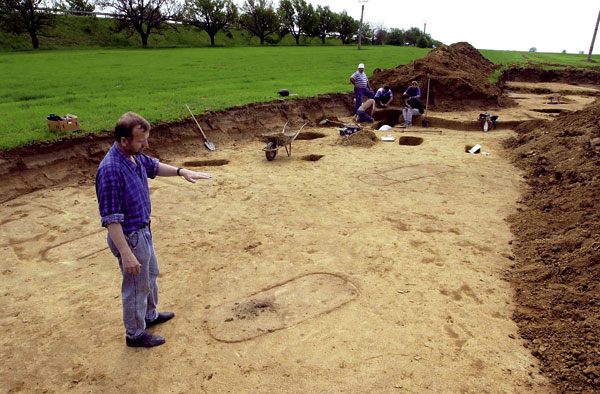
[[271, 150]]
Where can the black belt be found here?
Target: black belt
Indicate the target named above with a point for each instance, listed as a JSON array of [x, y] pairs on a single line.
[[145, 225]]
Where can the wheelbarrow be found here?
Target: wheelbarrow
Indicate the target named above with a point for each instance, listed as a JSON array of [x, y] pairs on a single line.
[[276, 140]]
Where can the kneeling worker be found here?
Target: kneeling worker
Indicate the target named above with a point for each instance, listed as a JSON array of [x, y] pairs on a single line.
[[413, 108], [364, 113], [383, 97]]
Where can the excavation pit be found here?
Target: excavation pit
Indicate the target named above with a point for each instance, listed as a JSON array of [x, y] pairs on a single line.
[[312, 157], [548, 110], [310, 135], [410, 141], [412, 212], [205, 163], [387, 117]]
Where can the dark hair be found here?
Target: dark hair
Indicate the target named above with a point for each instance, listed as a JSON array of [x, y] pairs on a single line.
[[386, 88], [405, 96], [127, 123]]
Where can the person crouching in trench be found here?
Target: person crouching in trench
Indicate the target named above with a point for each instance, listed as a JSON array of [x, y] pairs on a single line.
[[364, 113]]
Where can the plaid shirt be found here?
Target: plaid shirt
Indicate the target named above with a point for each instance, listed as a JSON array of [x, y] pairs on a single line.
[[122, 189]]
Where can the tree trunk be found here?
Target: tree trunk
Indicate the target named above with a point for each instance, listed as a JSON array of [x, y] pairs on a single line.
[[212, 39], [323, 39], [34, 40], [144, 40]]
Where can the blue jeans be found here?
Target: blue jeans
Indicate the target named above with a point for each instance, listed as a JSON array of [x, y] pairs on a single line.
[[139, 293], [358, 96], [364, 117]]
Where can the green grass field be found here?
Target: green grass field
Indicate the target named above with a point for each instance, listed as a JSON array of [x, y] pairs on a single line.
[[98, 85]]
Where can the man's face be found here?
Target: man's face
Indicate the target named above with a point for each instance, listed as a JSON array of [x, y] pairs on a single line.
[[138, 141], [361, 70]]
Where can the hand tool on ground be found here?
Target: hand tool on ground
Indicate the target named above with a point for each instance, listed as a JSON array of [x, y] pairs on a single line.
[[208, 144]]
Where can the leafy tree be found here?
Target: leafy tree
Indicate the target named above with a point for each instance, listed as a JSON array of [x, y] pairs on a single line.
[[347, 28], [78, 5], [379, 35], [533, 49], [297, 17], [367, 33], [422, 42], [143, 16], [327, 22], [412, 35], [395, 37], [564, 51], [26, 16], [259, 18], [210, 16]]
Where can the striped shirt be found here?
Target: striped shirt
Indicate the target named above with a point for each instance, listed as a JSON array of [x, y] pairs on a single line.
[[122, 189], [360, 78]]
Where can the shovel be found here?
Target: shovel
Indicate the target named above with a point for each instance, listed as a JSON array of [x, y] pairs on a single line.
[[425, 122], [208, 144]]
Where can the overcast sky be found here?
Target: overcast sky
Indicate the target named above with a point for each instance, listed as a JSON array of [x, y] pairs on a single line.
[[550, 25]]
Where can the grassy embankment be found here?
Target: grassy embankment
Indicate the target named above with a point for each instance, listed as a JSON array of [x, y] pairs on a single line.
[[93, 32]]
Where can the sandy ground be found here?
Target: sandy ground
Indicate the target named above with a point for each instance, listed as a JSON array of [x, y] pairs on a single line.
[[369, 270]]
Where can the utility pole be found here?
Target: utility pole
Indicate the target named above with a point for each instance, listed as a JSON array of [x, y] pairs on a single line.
[[424, 27], [362, 11], [589, 59]]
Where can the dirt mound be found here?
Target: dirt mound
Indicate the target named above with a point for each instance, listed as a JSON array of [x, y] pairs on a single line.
[[459, 79], [364, 138], [557, 268]]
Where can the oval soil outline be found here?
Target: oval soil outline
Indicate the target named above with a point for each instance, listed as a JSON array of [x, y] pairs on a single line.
[[281, 306]]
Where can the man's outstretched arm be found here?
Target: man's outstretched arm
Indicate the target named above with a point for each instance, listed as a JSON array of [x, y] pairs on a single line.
[[189, 175]]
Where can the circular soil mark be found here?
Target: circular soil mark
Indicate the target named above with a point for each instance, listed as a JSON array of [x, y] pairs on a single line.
[[310, 135], [281, 306], [411, 141], [205, 163], [312, 157]]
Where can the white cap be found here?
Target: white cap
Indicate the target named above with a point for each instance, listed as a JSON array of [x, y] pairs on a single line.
[[361, 66]]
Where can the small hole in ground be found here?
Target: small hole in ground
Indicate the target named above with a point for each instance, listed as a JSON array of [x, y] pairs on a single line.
[[310, 135], [411, 141], [312, 157], [548, 110], [205, 163]]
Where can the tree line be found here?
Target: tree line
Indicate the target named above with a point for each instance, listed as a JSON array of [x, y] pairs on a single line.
[[260, 18]]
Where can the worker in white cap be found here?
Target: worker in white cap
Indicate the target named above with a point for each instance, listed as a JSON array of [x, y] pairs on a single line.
[[361, 86]]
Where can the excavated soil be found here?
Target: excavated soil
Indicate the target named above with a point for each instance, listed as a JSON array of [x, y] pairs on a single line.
[[557, 269], [354, 265], [458, 79]]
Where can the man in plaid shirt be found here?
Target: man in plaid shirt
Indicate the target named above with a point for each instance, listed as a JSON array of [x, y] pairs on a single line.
[[124, 204]]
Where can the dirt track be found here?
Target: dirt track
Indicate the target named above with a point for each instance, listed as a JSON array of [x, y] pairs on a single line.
[[364, 267]]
